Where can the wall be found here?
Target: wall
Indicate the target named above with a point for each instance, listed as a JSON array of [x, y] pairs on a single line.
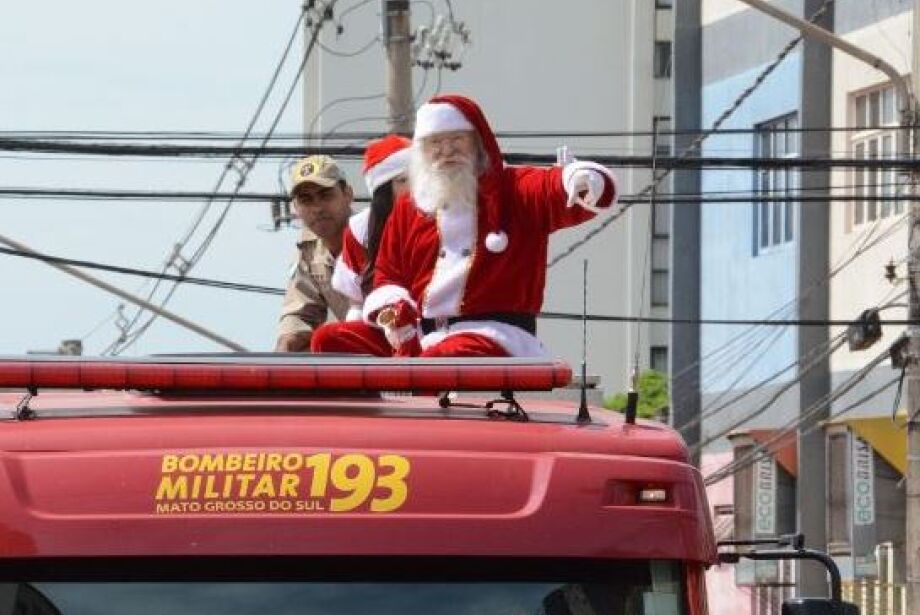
[[585, 65]]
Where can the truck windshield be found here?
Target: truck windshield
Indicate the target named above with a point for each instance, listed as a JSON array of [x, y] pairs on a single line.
[[653, 588]]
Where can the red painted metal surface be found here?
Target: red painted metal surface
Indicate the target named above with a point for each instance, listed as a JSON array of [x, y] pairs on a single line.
[[126, 485]]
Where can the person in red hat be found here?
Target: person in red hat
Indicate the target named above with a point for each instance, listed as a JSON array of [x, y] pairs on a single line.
[[461, 266], [386, 162]]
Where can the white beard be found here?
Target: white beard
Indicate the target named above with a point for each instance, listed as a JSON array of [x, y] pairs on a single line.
[[433, 188]]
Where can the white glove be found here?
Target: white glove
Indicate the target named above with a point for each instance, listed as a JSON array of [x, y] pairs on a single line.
[[588, 181]]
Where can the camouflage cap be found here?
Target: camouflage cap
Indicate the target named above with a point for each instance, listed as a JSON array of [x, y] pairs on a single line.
[[320, 170]]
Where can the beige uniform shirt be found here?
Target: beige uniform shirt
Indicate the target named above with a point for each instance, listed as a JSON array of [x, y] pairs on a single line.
[[309, 293]]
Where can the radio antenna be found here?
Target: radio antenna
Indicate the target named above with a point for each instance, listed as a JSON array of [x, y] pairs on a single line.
[[583, 415]]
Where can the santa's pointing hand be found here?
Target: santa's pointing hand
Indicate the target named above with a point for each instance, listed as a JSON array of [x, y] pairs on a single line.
[[584, 185]]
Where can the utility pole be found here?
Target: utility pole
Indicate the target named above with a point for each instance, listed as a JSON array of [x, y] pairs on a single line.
[[685, 227], [397, 39], [912, 487], [813, 299]]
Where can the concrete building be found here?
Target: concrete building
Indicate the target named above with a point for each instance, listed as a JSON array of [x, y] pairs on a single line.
[[587, 65], [773, 256]]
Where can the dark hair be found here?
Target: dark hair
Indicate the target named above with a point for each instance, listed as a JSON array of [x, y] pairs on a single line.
[[381, 206]]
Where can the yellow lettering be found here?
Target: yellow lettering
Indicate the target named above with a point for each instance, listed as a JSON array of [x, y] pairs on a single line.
[[289, 484], [209, 492], [273, 463], [265, 487], [244, 480], [234, 462], [188, 463], [395, 482], [211, 463], [249, 462], [169, 463], [293, 462], [320, 464], [358, 487], [173, 488], [228, 485]]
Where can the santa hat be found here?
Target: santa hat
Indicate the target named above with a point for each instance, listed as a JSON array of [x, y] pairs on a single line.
[[385, 159], [433, 117], [451, 112]]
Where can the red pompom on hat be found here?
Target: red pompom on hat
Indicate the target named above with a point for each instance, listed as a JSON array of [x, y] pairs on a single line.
[[385, 159]]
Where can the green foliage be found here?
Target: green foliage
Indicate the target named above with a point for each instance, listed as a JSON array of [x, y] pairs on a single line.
[[653, 396]]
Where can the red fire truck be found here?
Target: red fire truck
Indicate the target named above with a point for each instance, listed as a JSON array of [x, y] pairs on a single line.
[[300, 484]]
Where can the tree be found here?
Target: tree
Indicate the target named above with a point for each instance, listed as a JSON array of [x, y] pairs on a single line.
[[654, 399]]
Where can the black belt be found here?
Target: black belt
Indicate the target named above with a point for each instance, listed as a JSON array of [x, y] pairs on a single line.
[[527, 322]]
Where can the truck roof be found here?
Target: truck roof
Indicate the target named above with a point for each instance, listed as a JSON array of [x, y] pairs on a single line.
[[127, 473]]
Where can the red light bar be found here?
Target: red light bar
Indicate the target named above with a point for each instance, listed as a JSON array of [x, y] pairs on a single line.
[[271, 373]]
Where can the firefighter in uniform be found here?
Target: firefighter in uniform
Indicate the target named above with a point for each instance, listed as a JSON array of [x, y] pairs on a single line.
[[322, 200]]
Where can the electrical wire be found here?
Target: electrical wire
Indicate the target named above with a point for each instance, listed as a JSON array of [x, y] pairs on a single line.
[[813, 360], [123, 337], [692, 148], [131, 338], [861, 244], [349, 54], [865, 247], [180, 279], [758, 451], [332, 103], [166, 135], [251, 288]]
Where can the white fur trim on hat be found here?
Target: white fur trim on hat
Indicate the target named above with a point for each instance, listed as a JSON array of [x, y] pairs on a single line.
[[433, 118], [393, 165]]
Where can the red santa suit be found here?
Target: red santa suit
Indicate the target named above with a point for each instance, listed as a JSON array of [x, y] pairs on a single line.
[[476, 274]]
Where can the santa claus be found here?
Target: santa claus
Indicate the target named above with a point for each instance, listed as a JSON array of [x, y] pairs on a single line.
[[461, 265]]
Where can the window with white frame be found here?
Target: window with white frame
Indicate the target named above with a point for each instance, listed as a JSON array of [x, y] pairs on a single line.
[[774, 212], [875, 119]]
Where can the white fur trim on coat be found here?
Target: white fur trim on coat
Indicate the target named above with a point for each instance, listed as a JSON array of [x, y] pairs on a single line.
[[354, 313], [591, 174], [457, 232], [515, 341], [358, 223], [392, 166], [388, 294], [432, 118], [346, 281]]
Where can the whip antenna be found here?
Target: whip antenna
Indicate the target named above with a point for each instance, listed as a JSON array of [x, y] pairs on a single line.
[[583, 415]]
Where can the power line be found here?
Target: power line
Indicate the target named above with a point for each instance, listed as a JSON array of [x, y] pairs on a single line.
[[126, 339], [757, 452], [166, 135], [179, 279], [692, 149], [356, 152], [349, 54], [795, 322], [262, 197], [267, 290], [811, 360], [863, 244]]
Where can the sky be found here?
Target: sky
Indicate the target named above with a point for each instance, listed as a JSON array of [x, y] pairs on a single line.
[[107, 65]]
